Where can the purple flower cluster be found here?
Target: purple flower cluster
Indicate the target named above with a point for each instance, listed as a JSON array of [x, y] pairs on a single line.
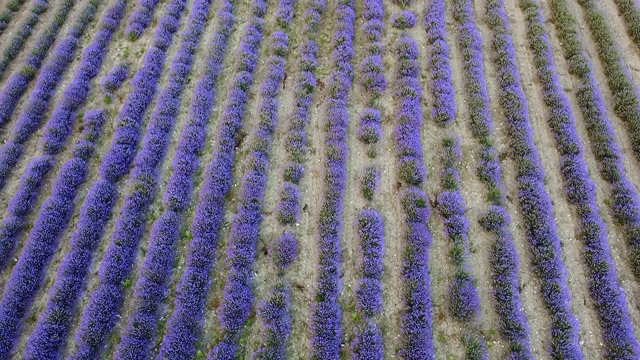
[[534, 201], [25, 29], [504, 259], [27, 274], [183, 327], [140, 18], [105, 300], [404, 19], [367, 343], [464, 303], [416, 319], [50, 332], [236, 304], [17, 84], [156, 268], [325, 313], [284, 13], [274, 310], [114, 78], [609, 300], [7, 14], [443, 111], [57, 128], [624, 200], [369, 130], [625, 93], [371, 67]]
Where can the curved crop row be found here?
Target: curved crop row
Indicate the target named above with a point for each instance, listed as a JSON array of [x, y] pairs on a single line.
[[53, 324], [625, 92], [534, 201], [624, 200], [56, 129], [416, 320], [25, 29], [631, 14], [609, 300], [185, 323], [156, 267], [504, 258], [326, 332], [17, 84], [42, 242], [243, 235], [8, 13], [274, 310], [140, 18], [105, 300]]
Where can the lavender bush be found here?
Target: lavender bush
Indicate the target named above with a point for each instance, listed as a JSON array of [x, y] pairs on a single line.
[[38, 7], [443, 110], [114, 78], [140, 18]]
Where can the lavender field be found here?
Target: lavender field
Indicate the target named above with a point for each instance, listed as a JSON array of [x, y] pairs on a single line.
[[315, 179]]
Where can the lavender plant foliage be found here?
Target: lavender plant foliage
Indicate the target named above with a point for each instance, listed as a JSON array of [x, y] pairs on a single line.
[[325, 312], [184, 325], [140, 18], [54, 321], [617, 330], [8, 13], [115, 77], [26, 276], [369, 130], [58, 126], [38, 7], [404, 19], [105, 300], [534, 201], [503, 259], [367, 344], [17, 83], [415, 321], [630, 12], [369, 182], [625, 203], [158, 263]]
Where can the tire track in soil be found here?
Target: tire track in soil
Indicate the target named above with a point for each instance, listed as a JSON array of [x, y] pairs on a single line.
[[531, 301], [475, 197], [211, 327], [140, 46], [224, 80], [31, 150], [270, 228], [564, 212], [616, 238], [155, 209], [303, 272]]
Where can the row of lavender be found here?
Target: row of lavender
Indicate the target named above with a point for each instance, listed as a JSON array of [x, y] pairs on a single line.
[[49, 335], [274, 309], [464, 303], [326, 331], [503, 257], [367, 340]]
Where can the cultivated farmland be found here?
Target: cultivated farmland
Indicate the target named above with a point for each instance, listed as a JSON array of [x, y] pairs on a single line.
[[319, 179]]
